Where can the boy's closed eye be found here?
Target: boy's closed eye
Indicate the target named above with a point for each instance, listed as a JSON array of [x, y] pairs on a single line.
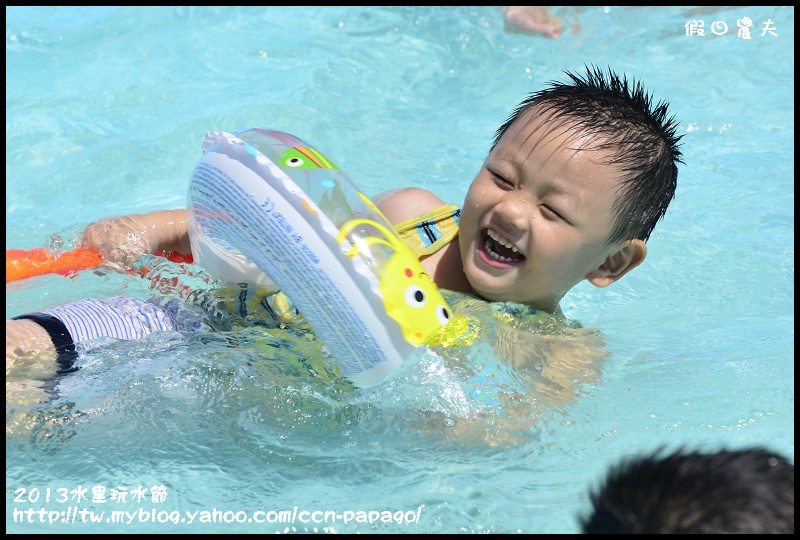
[[548, 210], [501, 180], [550, 213]]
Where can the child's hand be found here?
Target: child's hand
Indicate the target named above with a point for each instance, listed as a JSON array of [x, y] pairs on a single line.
[[533, 20], [120, 240]]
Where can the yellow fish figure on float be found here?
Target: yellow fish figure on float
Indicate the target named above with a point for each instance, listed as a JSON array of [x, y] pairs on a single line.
[[410, 297]]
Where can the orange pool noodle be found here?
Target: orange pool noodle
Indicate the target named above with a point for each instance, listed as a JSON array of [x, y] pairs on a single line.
[[25, 263], [22, 264]]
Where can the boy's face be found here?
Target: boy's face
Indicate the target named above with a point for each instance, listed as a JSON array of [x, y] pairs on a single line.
[[537, 217]]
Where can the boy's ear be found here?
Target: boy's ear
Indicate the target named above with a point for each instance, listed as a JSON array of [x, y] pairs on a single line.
[[619, 263]]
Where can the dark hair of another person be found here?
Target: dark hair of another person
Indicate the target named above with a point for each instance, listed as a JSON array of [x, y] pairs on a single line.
[[748, 491]]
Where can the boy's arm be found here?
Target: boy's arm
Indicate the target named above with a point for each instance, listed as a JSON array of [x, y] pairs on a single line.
[[558, 365], [551, 372], [123, 240]]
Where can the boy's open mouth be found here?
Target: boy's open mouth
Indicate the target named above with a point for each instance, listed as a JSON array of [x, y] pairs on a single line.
[[499, 249]]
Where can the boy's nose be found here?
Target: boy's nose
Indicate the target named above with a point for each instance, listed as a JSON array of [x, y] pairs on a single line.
[[513, 210]]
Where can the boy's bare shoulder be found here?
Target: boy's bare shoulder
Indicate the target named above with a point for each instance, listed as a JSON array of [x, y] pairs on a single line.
[[401, 204]]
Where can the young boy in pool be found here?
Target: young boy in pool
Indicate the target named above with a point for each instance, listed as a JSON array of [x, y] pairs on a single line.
[[572, 187]]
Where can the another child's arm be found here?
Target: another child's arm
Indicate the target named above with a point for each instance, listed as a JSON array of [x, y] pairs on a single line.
[[30, 366], [123, 240], [28, 343]]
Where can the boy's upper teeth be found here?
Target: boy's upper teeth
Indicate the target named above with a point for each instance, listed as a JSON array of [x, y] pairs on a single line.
[[502, 241]]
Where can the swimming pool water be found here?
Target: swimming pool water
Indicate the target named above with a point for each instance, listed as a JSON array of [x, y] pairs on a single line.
[[106, 108]]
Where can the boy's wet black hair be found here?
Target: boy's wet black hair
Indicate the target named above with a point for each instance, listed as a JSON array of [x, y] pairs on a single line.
[[639, 137], [747, 491]]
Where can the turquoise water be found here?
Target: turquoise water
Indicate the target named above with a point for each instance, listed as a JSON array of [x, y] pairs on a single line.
[[105, 112]]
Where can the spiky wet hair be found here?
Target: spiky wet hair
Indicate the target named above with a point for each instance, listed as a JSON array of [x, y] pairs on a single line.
[[638, 137]]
